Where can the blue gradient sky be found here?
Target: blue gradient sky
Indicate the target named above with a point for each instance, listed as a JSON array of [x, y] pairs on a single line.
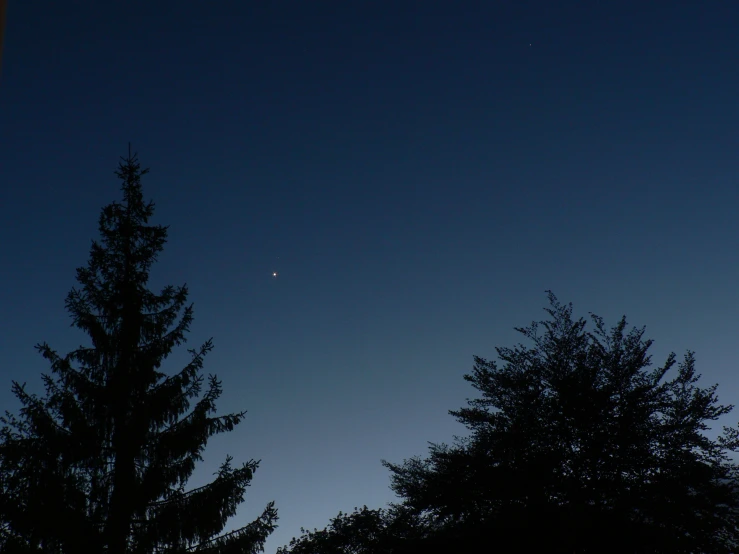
[[417, 172]]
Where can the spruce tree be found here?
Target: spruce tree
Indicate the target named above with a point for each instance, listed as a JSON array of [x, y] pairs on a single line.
[[100, 463]]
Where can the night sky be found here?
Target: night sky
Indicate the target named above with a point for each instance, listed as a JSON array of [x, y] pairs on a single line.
[[417, 173]]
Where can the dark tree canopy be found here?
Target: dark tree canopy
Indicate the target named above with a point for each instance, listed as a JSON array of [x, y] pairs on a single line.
[[100, 463], [385, 531], [575, 445]]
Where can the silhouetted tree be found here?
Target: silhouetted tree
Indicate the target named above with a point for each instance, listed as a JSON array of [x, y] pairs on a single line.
[[574, 446], [100, 463]]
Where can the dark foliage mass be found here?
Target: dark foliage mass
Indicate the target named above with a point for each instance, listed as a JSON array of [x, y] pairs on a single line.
[[574, 446], [100, 463]]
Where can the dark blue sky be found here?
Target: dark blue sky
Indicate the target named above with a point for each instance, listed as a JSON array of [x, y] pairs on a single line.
[[418, 173]]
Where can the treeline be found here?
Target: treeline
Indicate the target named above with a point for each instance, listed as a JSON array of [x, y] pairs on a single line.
[[575, 443]]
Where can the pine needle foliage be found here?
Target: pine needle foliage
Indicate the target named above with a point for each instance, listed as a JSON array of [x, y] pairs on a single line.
[[100, 462]]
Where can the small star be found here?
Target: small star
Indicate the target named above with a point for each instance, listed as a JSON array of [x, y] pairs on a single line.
[[274, 274]]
